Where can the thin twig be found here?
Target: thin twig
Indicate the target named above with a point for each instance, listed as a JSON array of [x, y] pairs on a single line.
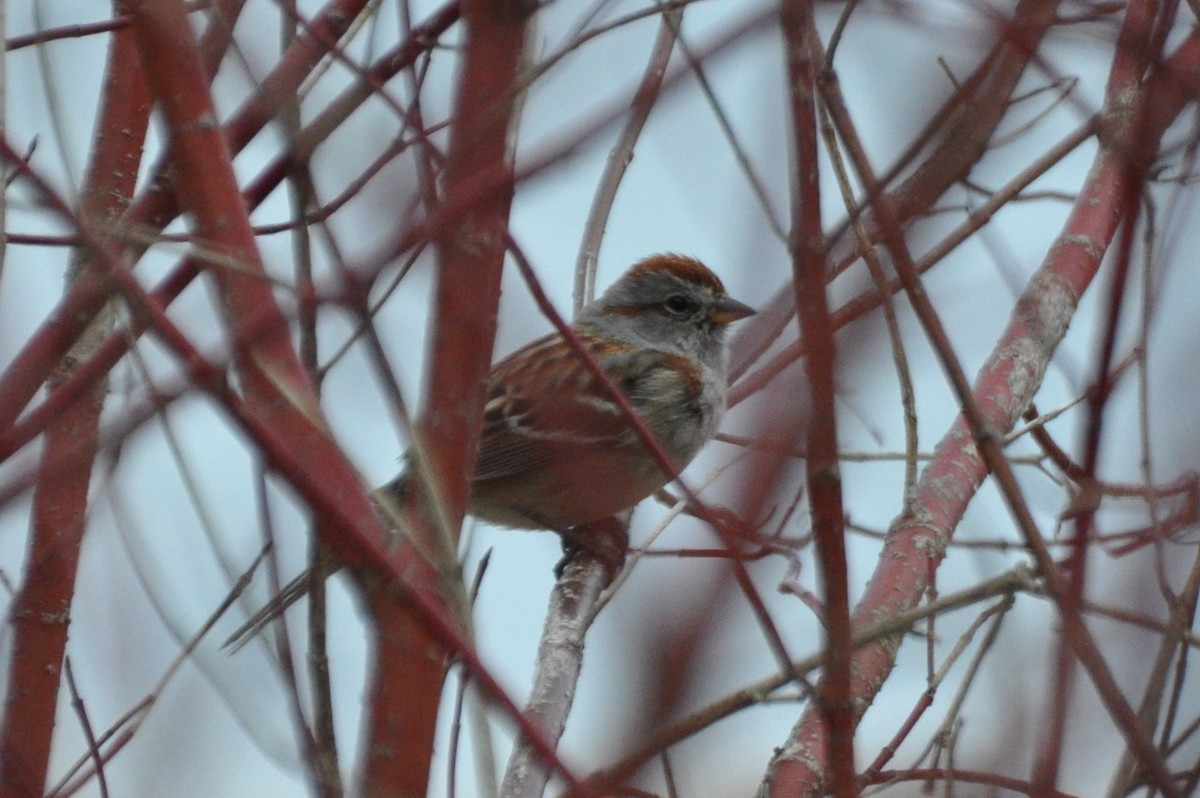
[[621, 155]]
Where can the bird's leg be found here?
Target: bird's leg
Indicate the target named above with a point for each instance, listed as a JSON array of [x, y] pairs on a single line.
[[606, 540]]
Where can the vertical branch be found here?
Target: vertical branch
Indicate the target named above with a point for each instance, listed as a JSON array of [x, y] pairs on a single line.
[[3, 133], [41, 611], [320, 746], [621, 155], [834, 700], [573, 605], [471, 249], [409, 663]]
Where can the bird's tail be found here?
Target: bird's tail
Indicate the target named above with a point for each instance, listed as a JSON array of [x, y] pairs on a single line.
[[389, 498], [292, 592]]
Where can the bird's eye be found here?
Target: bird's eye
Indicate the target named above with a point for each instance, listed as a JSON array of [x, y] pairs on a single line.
[[679, 305]]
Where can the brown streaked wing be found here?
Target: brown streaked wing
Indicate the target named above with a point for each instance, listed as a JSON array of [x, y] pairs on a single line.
[[524, 430]]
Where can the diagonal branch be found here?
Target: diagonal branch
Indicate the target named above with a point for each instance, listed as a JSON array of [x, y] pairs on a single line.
[[970, 450]]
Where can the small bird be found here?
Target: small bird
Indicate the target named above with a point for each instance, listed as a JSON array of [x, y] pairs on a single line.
[[556, 451]]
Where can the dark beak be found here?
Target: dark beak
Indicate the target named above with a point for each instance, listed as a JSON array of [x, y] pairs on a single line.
[[730, 310]]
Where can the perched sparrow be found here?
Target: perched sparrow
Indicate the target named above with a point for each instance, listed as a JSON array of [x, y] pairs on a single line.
[[556, 451]]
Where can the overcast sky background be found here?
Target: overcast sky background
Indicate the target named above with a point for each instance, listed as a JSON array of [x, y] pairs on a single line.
[[222, 725]]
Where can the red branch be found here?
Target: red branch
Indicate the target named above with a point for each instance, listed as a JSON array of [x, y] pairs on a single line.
[[276, 388], [1125, 132], [959, 131], [154, 209], [833, 698], [156, 206], [409, 668], [916, 542], [41, 610]]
